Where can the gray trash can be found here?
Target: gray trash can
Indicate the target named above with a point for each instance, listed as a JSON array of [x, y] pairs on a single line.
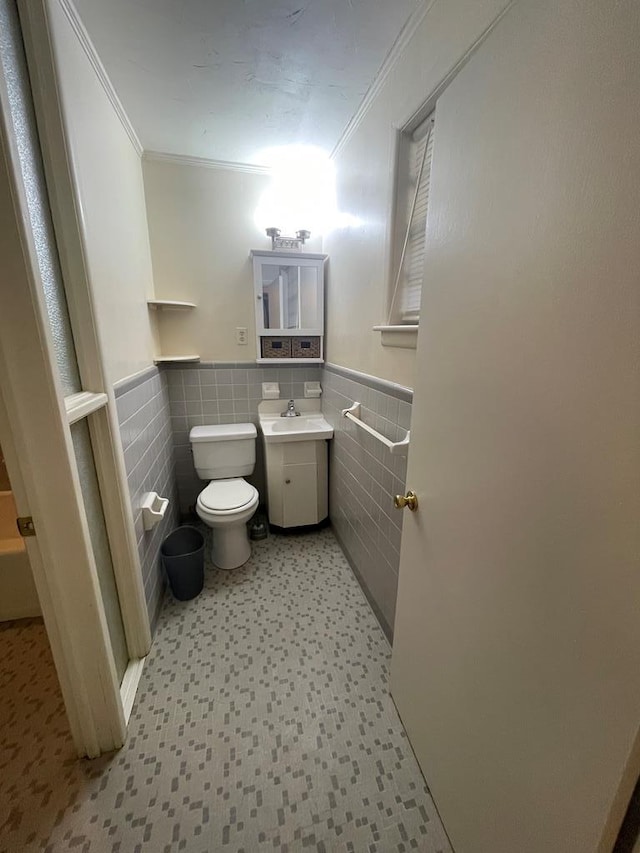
[[183, 558]]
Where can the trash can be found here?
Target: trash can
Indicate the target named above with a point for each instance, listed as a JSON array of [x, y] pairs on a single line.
[[258, 528], [183, 558]]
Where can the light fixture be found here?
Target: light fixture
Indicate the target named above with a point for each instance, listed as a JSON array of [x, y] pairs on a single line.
[[292, 243]]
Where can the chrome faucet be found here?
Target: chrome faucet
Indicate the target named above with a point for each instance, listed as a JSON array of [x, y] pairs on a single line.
[[291, 410]]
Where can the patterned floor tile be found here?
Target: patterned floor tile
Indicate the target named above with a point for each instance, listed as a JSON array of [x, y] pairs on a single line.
[[263, 722]]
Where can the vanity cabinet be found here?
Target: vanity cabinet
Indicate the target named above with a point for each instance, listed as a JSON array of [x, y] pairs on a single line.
[[289, 299], [297, 483]]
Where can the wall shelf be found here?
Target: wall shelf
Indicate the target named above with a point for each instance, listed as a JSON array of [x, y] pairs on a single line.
[[164, 304], [160, 306], [404, 337], [174, 359]]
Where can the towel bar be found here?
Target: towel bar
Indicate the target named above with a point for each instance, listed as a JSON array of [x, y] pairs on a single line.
[[395, 447]]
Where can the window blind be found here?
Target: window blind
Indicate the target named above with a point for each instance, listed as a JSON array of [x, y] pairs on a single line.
[[417, 181]]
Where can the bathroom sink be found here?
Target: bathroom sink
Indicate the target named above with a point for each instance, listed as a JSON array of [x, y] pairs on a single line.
[[306, 427]]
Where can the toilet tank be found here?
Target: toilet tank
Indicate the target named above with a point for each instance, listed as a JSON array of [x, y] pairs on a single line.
[[225, 450]]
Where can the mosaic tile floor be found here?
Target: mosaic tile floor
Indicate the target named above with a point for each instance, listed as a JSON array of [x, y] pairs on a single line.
[[262, 723]]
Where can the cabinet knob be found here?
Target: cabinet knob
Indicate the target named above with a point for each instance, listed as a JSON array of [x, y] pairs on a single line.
[[287, 481]]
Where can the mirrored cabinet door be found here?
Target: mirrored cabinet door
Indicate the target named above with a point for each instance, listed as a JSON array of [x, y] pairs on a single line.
[[272, 291], [290, 290], [289, 295], [309, 299]]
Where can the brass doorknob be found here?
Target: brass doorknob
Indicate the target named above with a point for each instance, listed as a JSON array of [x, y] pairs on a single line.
[[410, 500]]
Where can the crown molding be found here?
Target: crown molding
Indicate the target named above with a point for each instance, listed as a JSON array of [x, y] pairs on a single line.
[[389, 63], [87, 45], [394, 55], [205, 163]]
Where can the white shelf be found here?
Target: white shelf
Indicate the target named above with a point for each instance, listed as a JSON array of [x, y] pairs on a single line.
[[286, 253], [170, 359], [290, 360], [169, 304], [403, 337]]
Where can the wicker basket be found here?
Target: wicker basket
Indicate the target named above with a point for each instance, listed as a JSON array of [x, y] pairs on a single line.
[[305, 347], [276, 347]]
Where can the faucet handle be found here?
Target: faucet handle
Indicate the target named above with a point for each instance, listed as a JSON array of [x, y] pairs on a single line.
[[290, 411]]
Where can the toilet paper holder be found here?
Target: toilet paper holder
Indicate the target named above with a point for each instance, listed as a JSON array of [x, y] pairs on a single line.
[[153, 509]]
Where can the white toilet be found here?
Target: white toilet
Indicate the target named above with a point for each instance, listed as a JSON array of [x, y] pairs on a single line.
[[224, 454]]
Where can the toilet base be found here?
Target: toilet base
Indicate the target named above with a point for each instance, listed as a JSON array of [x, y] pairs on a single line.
[[230, 548]]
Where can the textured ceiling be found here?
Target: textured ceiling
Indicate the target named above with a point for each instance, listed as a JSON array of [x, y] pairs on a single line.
[[226, 79]]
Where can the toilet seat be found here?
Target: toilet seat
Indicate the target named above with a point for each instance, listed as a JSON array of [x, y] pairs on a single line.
[[227, 497]]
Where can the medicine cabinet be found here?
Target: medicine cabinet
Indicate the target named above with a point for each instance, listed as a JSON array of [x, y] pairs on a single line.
[[289, 298]]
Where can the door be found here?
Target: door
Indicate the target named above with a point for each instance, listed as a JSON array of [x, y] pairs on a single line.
[[61, 416], [516, 659], [300, 494]]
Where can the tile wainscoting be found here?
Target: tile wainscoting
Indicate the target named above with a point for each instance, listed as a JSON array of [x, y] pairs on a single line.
[[223, 393], [156, 410], [364, 477], [145, 431]]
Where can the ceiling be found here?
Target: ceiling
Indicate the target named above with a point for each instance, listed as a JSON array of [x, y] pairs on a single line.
[[227, 79]]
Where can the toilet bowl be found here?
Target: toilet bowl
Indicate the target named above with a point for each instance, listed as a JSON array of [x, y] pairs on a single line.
[[227, 506], [222, 454]]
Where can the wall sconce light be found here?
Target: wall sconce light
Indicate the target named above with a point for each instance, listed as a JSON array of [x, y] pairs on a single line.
[[292, 243]]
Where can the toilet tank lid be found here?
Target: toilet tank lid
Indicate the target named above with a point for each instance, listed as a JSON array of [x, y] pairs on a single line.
[[222, 432]]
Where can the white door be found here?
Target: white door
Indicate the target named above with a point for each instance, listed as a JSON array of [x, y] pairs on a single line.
[[61, 415], [516, 659]]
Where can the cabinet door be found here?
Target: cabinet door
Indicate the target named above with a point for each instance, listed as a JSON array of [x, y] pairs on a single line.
[[300, 494], [289, 294]]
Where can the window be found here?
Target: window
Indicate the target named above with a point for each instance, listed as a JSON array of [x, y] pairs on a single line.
[[412, 200]]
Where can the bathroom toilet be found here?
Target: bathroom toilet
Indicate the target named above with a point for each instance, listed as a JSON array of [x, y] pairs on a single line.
[[224, 454]]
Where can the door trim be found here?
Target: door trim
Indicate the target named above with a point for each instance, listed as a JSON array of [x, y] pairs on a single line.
[[80, 405]]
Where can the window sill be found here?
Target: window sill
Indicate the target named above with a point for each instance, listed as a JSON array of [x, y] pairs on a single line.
[[404, 337]]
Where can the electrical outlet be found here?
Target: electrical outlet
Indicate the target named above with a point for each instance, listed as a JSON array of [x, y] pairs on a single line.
[[241, 336]]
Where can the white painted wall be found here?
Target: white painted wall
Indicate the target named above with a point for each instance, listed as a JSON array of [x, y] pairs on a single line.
[[201, 220], [201, 227], [359, 265], [111, 196]]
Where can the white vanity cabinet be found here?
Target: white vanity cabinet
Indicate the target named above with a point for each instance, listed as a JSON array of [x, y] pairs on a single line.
[[297, 483], [289, 299]]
